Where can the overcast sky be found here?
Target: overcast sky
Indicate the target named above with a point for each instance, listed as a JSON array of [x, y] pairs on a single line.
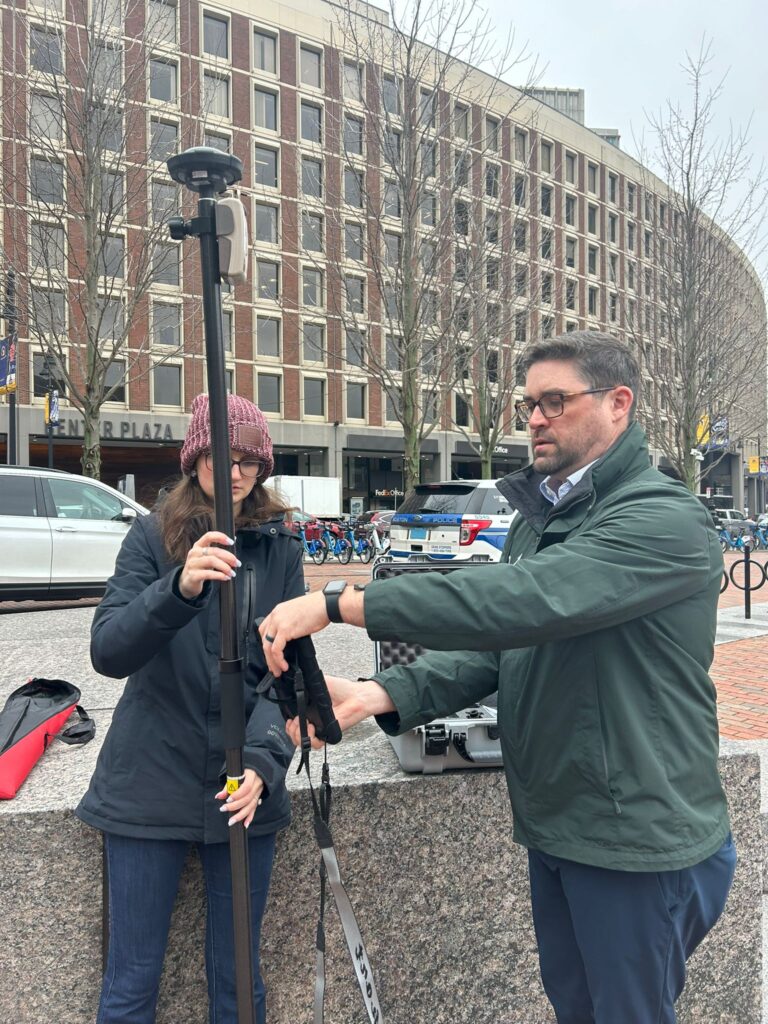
[[626, 55]]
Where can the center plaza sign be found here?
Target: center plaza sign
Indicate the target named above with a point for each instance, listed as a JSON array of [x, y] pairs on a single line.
[[120, 430]]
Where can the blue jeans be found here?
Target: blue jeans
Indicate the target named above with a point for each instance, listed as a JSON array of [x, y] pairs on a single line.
[[613, 944], [143, 881]]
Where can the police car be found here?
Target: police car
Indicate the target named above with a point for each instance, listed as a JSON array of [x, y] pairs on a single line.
[[458, 520]]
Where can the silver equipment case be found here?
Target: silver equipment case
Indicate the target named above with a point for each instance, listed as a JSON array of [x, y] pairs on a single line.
[[466, 739]]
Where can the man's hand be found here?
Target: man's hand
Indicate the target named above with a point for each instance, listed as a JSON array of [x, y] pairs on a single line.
[[352, 702], [287, 621]]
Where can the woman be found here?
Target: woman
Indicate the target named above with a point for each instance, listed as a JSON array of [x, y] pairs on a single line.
[[158, 782]]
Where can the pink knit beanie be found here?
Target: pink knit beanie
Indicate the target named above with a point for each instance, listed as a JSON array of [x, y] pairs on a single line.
[[248, 433]]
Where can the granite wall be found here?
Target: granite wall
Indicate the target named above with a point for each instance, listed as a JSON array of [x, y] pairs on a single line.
[[439, 888]]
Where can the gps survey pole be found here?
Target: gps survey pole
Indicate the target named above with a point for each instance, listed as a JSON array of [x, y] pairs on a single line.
[[209, 172]]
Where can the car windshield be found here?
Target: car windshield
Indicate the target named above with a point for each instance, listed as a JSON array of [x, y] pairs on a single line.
[[446, 500]]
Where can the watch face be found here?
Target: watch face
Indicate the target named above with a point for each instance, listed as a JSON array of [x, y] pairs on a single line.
[[335, 587]]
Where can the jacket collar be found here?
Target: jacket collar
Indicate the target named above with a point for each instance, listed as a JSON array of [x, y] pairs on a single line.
[[625, 459]]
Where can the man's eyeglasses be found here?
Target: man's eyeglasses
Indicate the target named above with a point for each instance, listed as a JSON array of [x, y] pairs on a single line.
[[249, 468], [552, 405]]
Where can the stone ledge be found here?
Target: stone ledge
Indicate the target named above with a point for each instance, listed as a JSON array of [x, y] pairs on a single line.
[[438, 885]]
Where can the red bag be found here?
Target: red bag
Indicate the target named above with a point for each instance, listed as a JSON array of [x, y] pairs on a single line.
[[32, 716]]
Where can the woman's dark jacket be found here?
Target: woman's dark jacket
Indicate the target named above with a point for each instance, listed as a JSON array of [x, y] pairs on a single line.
[[162, 759]]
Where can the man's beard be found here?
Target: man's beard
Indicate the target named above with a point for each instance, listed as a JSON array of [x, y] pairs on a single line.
[[557, 459]]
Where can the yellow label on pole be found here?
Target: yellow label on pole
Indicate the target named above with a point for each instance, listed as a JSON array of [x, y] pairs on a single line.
[[702, 430], [754, 463], [47, 409], [233, 785]]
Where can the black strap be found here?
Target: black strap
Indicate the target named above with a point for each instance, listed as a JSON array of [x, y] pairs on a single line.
[[82, 731]]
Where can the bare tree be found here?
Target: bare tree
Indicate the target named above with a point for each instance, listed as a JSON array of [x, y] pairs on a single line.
[[702, 327], [420, 135], [85, 211]]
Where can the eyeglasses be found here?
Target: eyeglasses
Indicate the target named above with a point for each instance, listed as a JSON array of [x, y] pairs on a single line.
[[249, 468], [552, 405]]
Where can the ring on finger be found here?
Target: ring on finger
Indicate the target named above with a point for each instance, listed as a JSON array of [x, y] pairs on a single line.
[[269, 639], [206, 551]]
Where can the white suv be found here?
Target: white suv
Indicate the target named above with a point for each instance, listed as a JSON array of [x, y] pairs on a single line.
[[456, 520], [59, 533]]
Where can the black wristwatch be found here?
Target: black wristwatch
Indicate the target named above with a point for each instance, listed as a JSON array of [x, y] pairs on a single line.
[[333, 591]]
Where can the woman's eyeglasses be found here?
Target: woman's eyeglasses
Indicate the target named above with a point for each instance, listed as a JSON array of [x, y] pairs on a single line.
[[249, 468]]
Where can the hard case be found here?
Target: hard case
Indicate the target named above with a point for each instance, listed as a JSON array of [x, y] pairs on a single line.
[[467, 739]]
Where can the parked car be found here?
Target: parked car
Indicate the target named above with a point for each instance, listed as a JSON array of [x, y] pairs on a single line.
[[380, 519], [455, 520], [729, 517], [59, 533]]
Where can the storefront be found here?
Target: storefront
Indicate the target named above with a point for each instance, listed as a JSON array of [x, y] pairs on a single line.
[[373, 471], [507, 458]]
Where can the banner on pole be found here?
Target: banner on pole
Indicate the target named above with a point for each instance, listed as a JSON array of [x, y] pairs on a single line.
[[8, 364]]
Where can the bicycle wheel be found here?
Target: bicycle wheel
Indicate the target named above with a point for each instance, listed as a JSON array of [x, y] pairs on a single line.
[[367, 553], [320, 553], [346, 553]]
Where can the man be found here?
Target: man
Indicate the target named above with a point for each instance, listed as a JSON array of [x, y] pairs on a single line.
[[597, 627]]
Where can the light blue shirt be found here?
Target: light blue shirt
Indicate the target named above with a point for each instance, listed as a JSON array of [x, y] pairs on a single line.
[[566, 486]]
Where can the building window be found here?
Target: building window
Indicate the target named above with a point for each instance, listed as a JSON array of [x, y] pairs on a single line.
[[592, 178], [46, 181], [519, 190], [631, 275], [166, 384], [355, 401], [312, 287], [353, 135], [546, 201], [114, 377], [353, 187], [546, 157], [631, 198], [163, 140], [48, 371], [227, 318], [546, 289], [310, 67], [613, 183], [45, 51], [427, 108], [392, 206], [492, 134], [521, 237], [592, 259], [613, 305], [215, 94], [570, 168], [355, 294], [461, 266], [570, 253], [391, 147], [428, 209], [313, 343], [166, 324], [492, 176], [268, 337], [265, 167], [547, 244], [631, 236], [312, 232], [461, 122], [393, 346], [268, 391], [647, 244], [461, 168], [428, 157], [592, 219], [392, 247], [264, 51], [613, 227], [353, 241], [161, 24], [165, 264], [47, 313], [265, 109], [521, 281], [492, 274], [215, 36], [592, 301], [570, 211], [390, 95], [311, 122], [112, 256], [265, 224], [165, 201], [570, 295], [162, 81], [521, 326], [492, 227], [353, 81], [47, 248], [461, 217], [312, 177], [314, 396], [461, 412], [355, 348], [547, 330], [45, 117], [521, 145], [267, 280]]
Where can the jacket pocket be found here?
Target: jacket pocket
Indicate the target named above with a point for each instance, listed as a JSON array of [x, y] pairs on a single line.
[[604, 766]]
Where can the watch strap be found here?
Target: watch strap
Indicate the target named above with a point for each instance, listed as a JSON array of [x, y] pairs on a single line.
[[332, 606]]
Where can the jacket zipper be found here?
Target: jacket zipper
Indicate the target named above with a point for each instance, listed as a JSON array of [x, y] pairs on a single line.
[[248, 607]]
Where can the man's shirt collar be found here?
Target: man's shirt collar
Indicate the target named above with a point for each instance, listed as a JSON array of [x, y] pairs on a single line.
[[565, 487]]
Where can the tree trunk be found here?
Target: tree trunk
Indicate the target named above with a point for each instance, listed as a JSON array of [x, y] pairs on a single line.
[[91, 457], [411, 458]]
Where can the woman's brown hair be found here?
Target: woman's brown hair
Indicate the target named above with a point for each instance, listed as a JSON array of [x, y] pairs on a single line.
[[185, 514]]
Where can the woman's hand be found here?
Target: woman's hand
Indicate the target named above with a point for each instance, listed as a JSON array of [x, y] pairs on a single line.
[[205, 561], [352, 702], [242, 804]]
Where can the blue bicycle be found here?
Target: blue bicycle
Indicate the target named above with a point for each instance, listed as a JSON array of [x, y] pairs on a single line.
[[361, 545], [735, 542], [315, 547], [337, 543]]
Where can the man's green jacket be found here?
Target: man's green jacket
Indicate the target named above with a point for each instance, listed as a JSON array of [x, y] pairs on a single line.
[[597, 628]]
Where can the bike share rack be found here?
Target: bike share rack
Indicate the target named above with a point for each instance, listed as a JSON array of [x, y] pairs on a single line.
[[748, 566]]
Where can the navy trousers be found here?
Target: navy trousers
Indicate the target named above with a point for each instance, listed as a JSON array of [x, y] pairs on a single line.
[[613, 944], [143, 880]]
